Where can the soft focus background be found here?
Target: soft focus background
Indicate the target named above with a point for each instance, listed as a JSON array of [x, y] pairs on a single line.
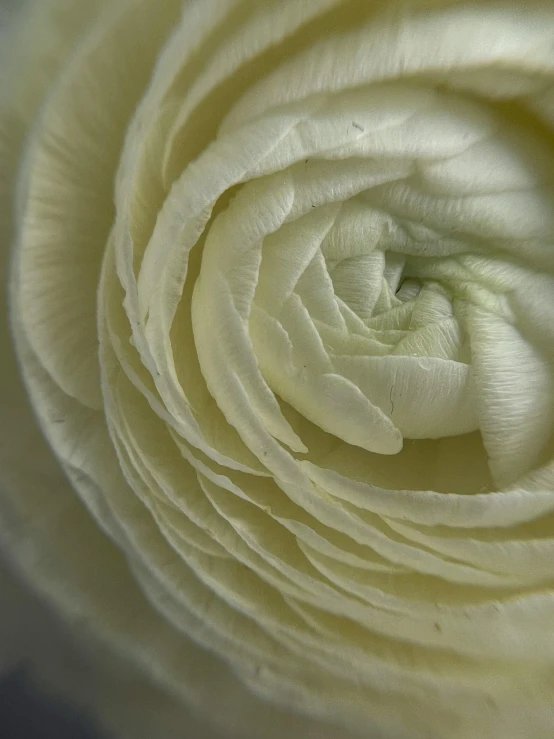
[[53, 685], [27, 712], [35, 653], [29, 635]]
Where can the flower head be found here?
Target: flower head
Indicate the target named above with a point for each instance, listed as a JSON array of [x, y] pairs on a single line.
[[282, 295]]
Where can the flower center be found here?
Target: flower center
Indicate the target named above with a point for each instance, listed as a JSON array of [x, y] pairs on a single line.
[[372, 269]]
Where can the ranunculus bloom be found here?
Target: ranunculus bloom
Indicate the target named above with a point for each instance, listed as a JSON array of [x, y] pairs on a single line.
[[282, 297]]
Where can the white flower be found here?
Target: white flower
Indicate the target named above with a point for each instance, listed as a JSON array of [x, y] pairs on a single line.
[[282, 295]]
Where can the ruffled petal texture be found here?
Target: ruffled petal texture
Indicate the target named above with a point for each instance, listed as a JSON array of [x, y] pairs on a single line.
[[282, 296]]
